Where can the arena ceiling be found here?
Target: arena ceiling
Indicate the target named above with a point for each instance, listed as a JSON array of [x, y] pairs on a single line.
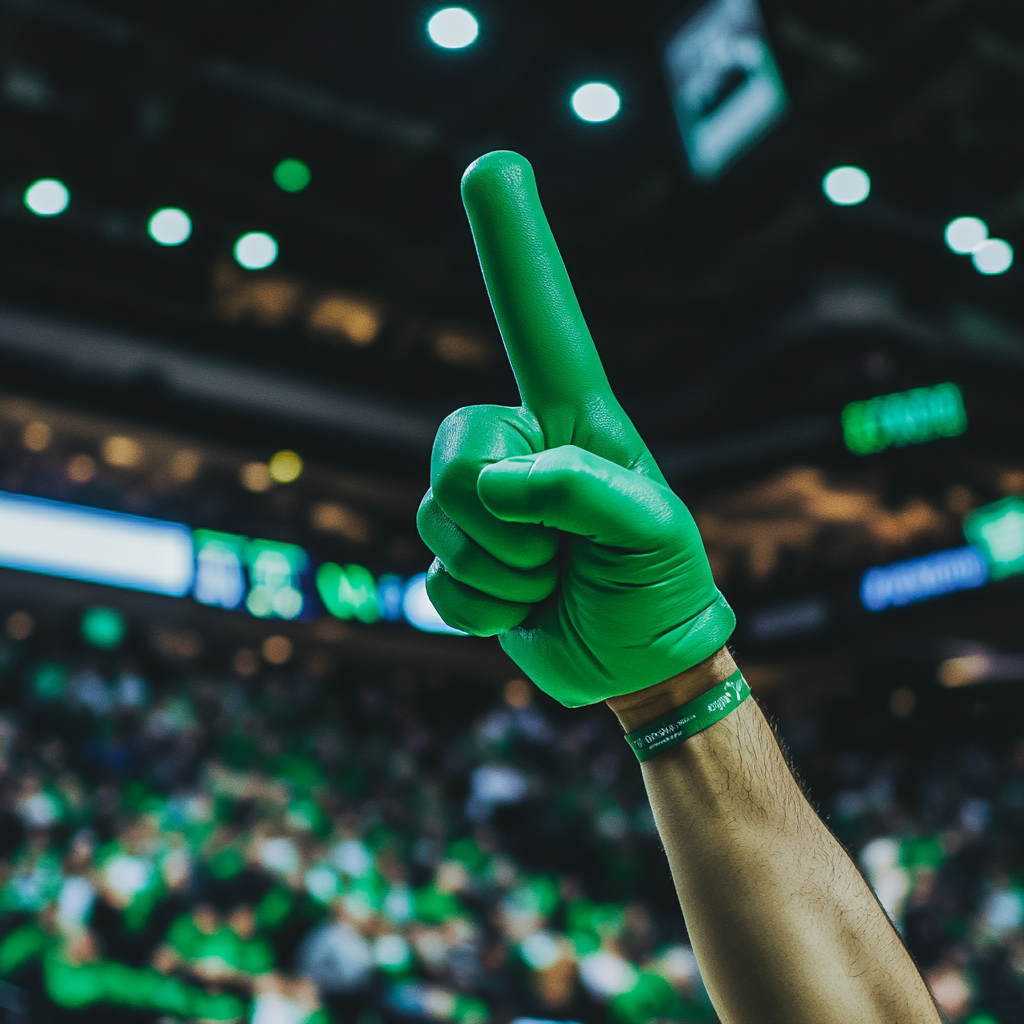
[[376, 289]]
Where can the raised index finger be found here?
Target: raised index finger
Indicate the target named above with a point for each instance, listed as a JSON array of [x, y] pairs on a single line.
[[549, 345]]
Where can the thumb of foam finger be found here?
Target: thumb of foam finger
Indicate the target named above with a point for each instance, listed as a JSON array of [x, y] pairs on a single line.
[[575, 491]]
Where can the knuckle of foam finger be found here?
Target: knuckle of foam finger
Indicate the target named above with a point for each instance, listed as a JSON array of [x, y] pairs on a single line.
[[442, 594], [454, 485], [556, 475], [425, 515]]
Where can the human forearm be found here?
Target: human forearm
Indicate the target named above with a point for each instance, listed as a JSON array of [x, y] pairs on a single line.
[[784, 927]]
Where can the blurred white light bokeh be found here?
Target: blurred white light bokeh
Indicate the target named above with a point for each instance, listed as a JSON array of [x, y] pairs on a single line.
[[256, 250], [47, 197], [965, 234], [596, 102], [170, 226], [453, 28], [847, 186], [993, 257]]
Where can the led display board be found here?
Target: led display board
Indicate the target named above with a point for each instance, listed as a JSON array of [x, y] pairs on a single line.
[[348, 592], [724, 84], [265, 575], [275, 579], [908, 417], [59, 539], [997, 530], [267, 579], [220, 575]]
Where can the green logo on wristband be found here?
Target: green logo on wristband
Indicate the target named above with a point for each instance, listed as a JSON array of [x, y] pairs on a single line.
[[672, 729]]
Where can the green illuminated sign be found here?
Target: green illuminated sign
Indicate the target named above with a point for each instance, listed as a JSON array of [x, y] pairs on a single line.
[[349, 592], [909, 417], [275, 588], [997, 530]]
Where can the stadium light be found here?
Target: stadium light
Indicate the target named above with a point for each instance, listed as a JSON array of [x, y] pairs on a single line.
[[170, 226], [993, 257], [847, 186], [285, 467], [292, 175], [47, 197], [964, 234], [596, 102], [255, 250], [453, 28]]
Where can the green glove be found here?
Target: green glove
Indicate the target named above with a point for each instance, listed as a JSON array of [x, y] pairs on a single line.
[[552, 525]]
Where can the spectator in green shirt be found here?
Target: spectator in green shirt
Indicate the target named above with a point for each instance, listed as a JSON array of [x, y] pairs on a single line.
[[77, 977], [203, 945]]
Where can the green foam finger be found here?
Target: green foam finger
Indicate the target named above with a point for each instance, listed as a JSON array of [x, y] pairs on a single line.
[[557, 367], [553, 527], [469, 563], [549, 345], [466, 608]]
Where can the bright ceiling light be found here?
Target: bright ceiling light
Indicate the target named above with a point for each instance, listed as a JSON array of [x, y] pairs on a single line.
[[47, 197], [256, 250], [993, 257], [965, 234], [292, 175], [170, 226], [847, 186], [596, 101], [453, 28]]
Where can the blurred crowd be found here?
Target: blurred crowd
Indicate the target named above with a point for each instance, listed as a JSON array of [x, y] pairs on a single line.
[[320, 841], [930, 801]]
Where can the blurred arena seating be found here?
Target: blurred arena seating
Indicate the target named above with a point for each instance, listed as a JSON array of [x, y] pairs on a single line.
[[323, 841]]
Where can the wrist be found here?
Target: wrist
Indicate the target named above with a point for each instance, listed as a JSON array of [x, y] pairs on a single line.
[[636, 709]]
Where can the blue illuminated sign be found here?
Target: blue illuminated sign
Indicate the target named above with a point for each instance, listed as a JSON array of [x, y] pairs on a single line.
[[919, 579]]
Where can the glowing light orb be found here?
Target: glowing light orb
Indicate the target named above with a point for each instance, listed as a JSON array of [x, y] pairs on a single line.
[[847, 186], [256, 250], [453, 28], [596, 102]]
